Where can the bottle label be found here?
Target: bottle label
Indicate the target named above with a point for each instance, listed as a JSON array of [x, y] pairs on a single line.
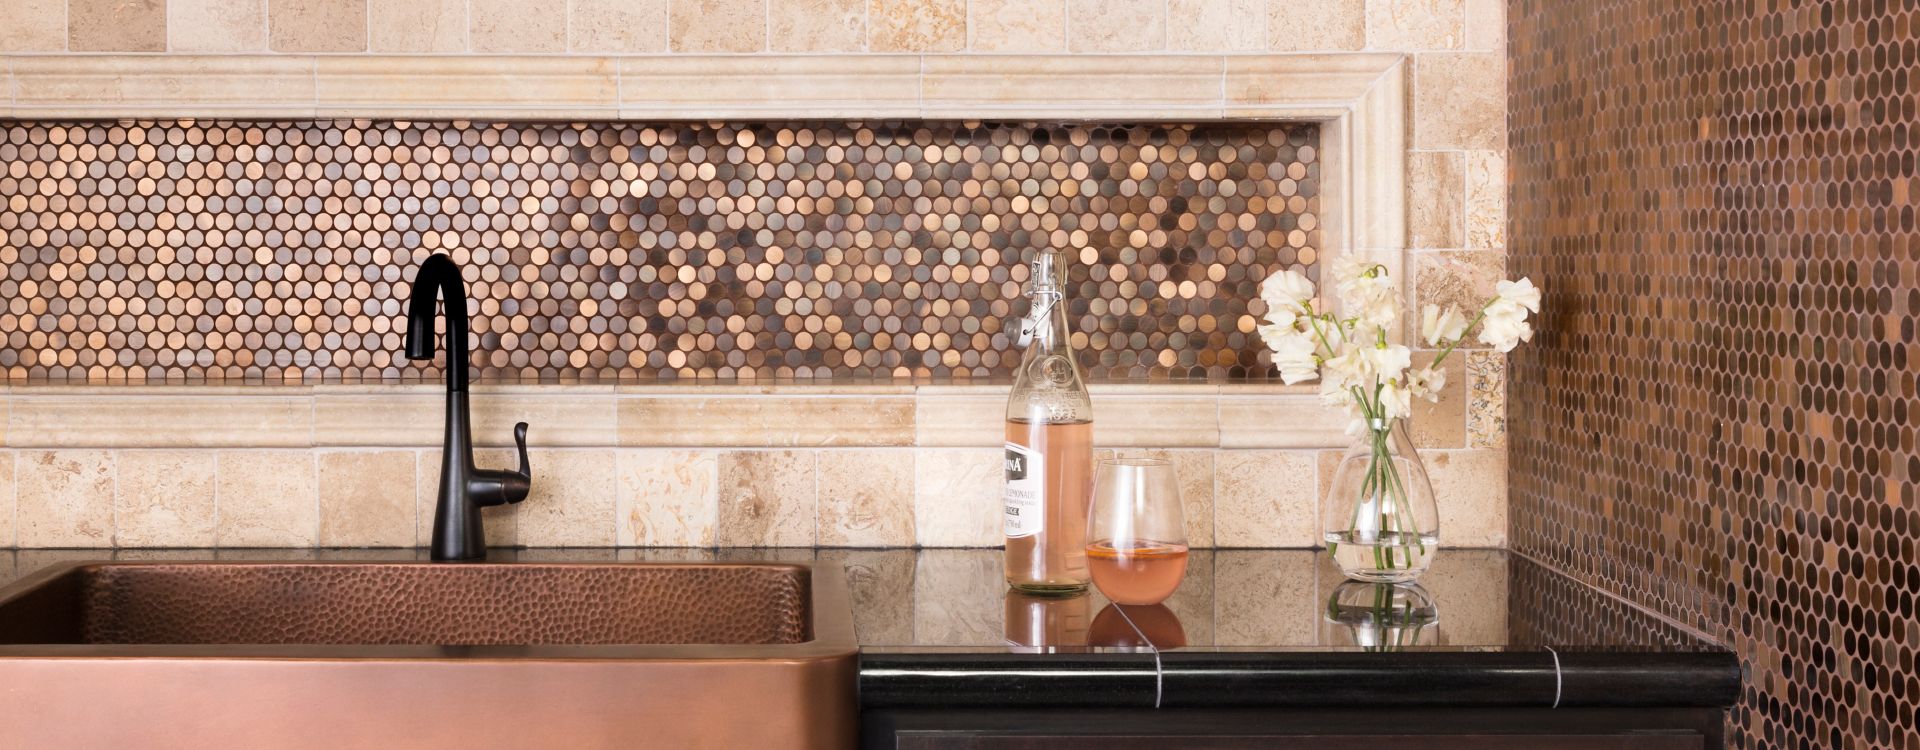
[[1026, 496]]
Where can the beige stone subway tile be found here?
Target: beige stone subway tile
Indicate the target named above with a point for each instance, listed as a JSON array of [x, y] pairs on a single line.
[[865, 497], [152, 421], [489, 86], [1116, 25], [217, 25], [1463, 278], [1471, 489], [573, 500], [667, 498], [317, 25], [1486, 200], [501, 522], [881, 584], [34, 26], [949, 419], [1487, 25], [1436, 198], [7, 499], [958, 496], [417, 25], [416, 417], [162, 86], [1157, 421], [712, 86], [1216, 25], [1060, 85], [1486, 399], [1326, 464], [1316, 25], [766, 499], [1194, 472], [164, 498], [1408, 25], [917, 25], [367, 498], [1286, 421], [117, 25], [717, 25], [1442, 424], [1264, 498], [267, 499], [959, 597], [766, 421], [64, 498], [817, 25], [517, 25], [1017, 25], [1266, 597], [1460, 101], [617, 26]]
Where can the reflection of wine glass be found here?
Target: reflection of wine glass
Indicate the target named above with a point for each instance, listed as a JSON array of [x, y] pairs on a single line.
[[1137, 626], [1137, 536], [1382, 616]]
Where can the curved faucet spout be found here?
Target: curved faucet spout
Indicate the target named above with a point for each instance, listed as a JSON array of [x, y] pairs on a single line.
[[439, 280]]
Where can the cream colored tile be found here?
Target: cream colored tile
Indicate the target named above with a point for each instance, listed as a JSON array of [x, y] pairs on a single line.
[[1306, 80], [187, 421], [267, 499], [367, 498], [767, 499], [1194, 470], [1486, 200], [117, 25], [956, 420], [1216, 25], [917, 25], [865, 498], [881, 583], [1289, 421], [164, 498], [1116, 25], [1460, 101], [766, 421], [717, 25], [1266, 598], [162, 86], [1316, 25], [617, 26], [762, 86], [8, 505], [502, 522], [1017, 25], [573, 500], [217, 25], [1487, 25], [467, 86], [517, 25], [817, 25], [1436, 196], [958, 496], [959, 597], [417, 25], [1264, 498], [1442, 424], [1486, 399], [317, 25], [1156, 421], [1463, 278], [1471, 489], [416, 417], [1326, 462], [34, 26], [667, 498], [65, 498], [1062, 85], [1408, 25]]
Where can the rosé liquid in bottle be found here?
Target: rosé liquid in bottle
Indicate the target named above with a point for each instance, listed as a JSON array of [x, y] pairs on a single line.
[[1049, 461]]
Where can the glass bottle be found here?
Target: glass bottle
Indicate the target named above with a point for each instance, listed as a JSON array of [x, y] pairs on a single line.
[[1049, 459]]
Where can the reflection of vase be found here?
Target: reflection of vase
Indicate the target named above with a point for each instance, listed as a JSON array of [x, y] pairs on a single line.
[[1039, 623], [1381, 616], [1380, 522], [1124, 625]]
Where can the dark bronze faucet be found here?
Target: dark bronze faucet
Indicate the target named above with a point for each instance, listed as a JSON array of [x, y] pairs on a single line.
[[464, 490]]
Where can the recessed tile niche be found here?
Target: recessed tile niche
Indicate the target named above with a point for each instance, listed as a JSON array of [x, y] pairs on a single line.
[[208, 251]]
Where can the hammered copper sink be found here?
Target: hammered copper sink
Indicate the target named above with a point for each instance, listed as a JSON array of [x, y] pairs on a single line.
[[393, 655]]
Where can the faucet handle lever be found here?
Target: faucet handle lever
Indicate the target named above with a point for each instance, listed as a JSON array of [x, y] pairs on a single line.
[[520, 441]]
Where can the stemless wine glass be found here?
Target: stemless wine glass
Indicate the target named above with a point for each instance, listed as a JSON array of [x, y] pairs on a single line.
[[1137, 535]]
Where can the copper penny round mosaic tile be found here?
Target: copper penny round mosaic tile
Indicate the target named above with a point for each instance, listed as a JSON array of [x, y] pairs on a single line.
[[223, 251], [1719, 417]]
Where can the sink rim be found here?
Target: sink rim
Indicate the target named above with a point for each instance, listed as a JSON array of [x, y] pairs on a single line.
[[829, 608]]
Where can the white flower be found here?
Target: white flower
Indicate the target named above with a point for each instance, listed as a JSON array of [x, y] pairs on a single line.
[[1389, 361], [1293, 354], [1395, 400], [1505, 325], [1367, 292], [1437, 326], [1287, 290], [1522, 293], [1427, 382]]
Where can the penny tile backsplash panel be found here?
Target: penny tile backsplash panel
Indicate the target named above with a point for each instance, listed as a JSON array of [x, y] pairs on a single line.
[[208, 251]]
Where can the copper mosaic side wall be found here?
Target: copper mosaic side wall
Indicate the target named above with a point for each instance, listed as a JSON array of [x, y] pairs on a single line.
[[1718, 420], [187, 251]]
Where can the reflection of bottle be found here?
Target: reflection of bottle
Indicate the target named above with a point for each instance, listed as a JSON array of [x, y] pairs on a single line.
[[1049, 447], [1039, 623], [1137, 626]]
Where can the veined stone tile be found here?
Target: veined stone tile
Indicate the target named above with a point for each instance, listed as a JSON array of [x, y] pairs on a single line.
[[1017, 25], [1265, 498], [34, 26], [1459, 101], [767, 499], [1316, 25], [717, 25], [1486, 399], [116, 26], [881, 583], [217, 25], [1463, 278], [164, 498], [1408, 25], [267, 498], [958, 496], [517, 26], [367, 498], [959, 597], [865, 497], [1471, 489], [1487, 25], [417, 25], [1436, 201], [667, 498], [1217, 25], [817, 25], [917, 25], [1265, 598], [573, 499], [317, 25], [1486, 200], [64, 498], [1116, 25]]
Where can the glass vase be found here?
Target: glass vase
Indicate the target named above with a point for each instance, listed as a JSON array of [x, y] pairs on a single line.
[[1379, 519]]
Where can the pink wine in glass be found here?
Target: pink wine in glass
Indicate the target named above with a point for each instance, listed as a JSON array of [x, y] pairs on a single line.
[[1137, 571]]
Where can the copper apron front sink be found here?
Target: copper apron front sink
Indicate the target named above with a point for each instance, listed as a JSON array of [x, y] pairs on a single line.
[[428, 655]]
